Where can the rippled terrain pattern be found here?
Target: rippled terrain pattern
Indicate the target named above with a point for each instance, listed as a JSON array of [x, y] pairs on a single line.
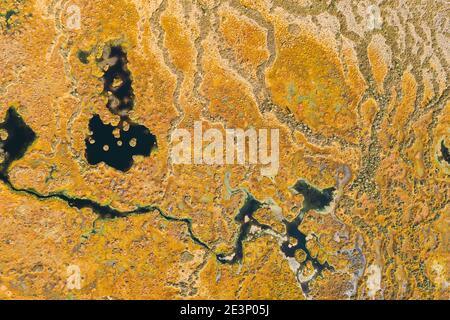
[[92, 205]]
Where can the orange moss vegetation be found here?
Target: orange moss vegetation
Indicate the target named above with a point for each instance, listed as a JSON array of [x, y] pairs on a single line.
[[365, 112]]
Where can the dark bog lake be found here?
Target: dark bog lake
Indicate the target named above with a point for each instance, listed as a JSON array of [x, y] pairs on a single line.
[[117, 81], [313, 199], [117, 152], [116, 145], [20, 137], [445, 153]]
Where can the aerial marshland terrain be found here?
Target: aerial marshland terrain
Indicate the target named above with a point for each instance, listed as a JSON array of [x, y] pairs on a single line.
[[92, 205]]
